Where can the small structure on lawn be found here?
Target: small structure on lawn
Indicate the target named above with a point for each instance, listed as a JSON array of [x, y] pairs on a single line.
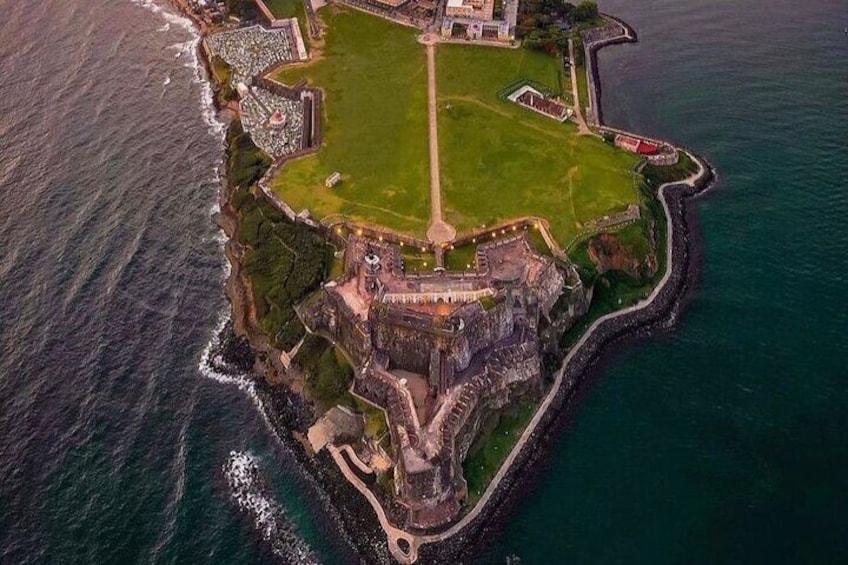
[[656, 153], [333, 180], [534, 100]]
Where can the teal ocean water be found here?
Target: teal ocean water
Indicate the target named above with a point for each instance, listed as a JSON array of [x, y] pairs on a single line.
[[724, 439]]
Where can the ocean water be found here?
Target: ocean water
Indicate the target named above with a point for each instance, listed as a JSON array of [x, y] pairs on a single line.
[[723, 440]]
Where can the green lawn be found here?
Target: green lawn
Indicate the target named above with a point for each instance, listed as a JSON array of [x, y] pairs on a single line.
[[374, 76], [500, 161], [461, 258], [286, 8], [582, 88]]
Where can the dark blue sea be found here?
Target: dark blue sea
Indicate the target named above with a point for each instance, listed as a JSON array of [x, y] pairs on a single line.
[[723, 440]]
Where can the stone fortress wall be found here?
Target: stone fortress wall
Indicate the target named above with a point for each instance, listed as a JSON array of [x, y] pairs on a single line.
[[476, 356]]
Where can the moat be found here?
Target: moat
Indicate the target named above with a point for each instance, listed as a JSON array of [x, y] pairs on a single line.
[[430, 320]]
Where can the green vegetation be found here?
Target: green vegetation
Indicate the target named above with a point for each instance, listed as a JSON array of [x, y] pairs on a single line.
[[614, 290], [244, 9], [373, 74], [586, 12], [655, 176], [336, 267], [499, 161], [328, 374], [284, 262], [488, 302], [374, 77], [415, 260], [489, 451], [245, 162], [283, 9], [582, 86], [222, 72], [545, 25], [461, 258], [537, 241], [375, 419], [635, 238]]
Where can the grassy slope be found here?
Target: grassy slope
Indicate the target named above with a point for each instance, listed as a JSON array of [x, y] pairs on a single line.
[[286, 8], [374, 76], [488, 454], [500, 161]]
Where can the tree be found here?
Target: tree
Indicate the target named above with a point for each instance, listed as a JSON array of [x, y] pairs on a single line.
[[586, 11]]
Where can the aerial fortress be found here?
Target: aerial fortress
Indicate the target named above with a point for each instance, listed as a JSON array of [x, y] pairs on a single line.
[[437, 351], [430, 303]]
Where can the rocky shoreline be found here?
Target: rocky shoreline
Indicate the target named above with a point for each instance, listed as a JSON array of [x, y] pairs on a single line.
[[356, 523]]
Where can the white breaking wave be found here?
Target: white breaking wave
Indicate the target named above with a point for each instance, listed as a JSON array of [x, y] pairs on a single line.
[[216, 128], [211, 360], [249, 493]]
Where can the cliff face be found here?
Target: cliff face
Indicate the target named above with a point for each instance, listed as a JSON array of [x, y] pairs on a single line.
[[608, 253]]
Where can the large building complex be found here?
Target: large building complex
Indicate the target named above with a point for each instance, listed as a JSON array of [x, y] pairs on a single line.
[[440, 351], [476, 20]]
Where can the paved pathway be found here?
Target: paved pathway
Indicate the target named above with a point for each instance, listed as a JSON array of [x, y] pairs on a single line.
[[393, 534], [439, 231], [582, 128]]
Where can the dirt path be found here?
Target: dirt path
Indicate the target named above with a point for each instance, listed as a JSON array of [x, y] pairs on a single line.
[[439, 231], [582, 128]]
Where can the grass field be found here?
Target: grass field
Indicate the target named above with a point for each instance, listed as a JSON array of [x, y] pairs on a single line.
[[374, 76], [500, 161], [582, 88], [286, 8]]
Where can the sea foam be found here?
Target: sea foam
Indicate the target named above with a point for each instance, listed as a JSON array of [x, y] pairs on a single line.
[[189, 48], [250, 493]]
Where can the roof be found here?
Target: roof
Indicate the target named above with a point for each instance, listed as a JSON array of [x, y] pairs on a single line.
[[646, 148], [455, 3]]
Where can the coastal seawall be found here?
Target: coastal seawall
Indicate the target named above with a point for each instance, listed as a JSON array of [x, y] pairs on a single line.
[[628, 35]]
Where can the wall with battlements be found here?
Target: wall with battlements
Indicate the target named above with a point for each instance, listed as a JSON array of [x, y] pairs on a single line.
[[409, 337]]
